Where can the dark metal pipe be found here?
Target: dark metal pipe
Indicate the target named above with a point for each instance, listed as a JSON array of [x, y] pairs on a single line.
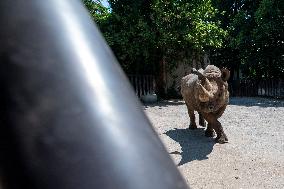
[[69, 118]]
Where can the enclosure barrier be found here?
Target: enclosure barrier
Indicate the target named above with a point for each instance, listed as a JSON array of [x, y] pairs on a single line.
[[69, 119], [143, 84], [266, 88]]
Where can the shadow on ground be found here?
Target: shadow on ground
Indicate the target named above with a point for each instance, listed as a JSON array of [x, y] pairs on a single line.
[[194, 145]]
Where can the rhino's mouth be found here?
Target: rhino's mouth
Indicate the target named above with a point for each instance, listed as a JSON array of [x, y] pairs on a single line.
[[210, 107], [207, 110]]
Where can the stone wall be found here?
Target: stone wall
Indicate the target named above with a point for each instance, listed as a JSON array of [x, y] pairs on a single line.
[[183, 68]]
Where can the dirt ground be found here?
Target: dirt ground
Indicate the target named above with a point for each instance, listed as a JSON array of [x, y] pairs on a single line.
[[253, 158]]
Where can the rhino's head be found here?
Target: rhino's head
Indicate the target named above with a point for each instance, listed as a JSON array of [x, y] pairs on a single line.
[[212, 88]]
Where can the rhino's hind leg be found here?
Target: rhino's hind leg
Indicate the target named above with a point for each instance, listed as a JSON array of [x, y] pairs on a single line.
[[201, 120], [209, 132], [192, 124]]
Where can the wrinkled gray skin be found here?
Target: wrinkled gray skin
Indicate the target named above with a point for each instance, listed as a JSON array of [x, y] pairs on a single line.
[[206, 91]]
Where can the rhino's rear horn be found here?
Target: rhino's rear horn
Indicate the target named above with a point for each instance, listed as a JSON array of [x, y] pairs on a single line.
[[199, 74]]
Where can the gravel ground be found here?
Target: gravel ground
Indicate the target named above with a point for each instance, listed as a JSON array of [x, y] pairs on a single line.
[[253, 158]]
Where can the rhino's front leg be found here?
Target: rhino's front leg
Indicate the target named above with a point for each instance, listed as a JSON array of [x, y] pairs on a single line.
[[213, 123], [192, 120], [221, 136], [191, 115]]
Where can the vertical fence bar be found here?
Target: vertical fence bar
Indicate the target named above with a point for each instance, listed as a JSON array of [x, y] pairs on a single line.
[[147, 84], [137, 85], [264, 88], [142, 84]]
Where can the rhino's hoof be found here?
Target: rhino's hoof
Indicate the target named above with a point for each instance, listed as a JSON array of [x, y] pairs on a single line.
[[222, 140], [209, 133], [192, 127]]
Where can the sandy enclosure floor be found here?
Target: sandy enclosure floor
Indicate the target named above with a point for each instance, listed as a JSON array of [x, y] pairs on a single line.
[[253, 158]]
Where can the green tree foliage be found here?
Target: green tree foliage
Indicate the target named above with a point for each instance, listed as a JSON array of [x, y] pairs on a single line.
[[255, 42], [143, 32], [100, 14], [131, 35], [268, 38], [239, 34], [97, 10], [186, 27]]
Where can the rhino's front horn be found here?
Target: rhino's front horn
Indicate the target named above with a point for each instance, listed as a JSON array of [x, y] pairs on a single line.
[[204, 95], [207, 85]]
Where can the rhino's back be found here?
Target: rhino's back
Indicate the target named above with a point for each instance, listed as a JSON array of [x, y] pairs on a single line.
[[188, 81], [188, 89]]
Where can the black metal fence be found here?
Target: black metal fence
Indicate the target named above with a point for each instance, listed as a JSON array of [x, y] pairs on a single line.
[[143, 84], [266, 88]]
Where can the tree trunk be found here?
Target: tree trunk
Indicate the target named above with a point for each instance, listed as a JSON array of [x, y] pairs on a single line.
[[161, 78], [196, 60]]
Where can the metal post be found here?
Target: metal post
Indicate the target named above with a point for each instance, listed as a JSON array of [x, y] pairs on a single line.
[[69, 118]]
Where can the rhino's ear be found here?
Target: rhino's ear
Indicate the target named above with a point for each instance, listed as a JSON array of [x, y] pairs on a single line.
[[225, 74]]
